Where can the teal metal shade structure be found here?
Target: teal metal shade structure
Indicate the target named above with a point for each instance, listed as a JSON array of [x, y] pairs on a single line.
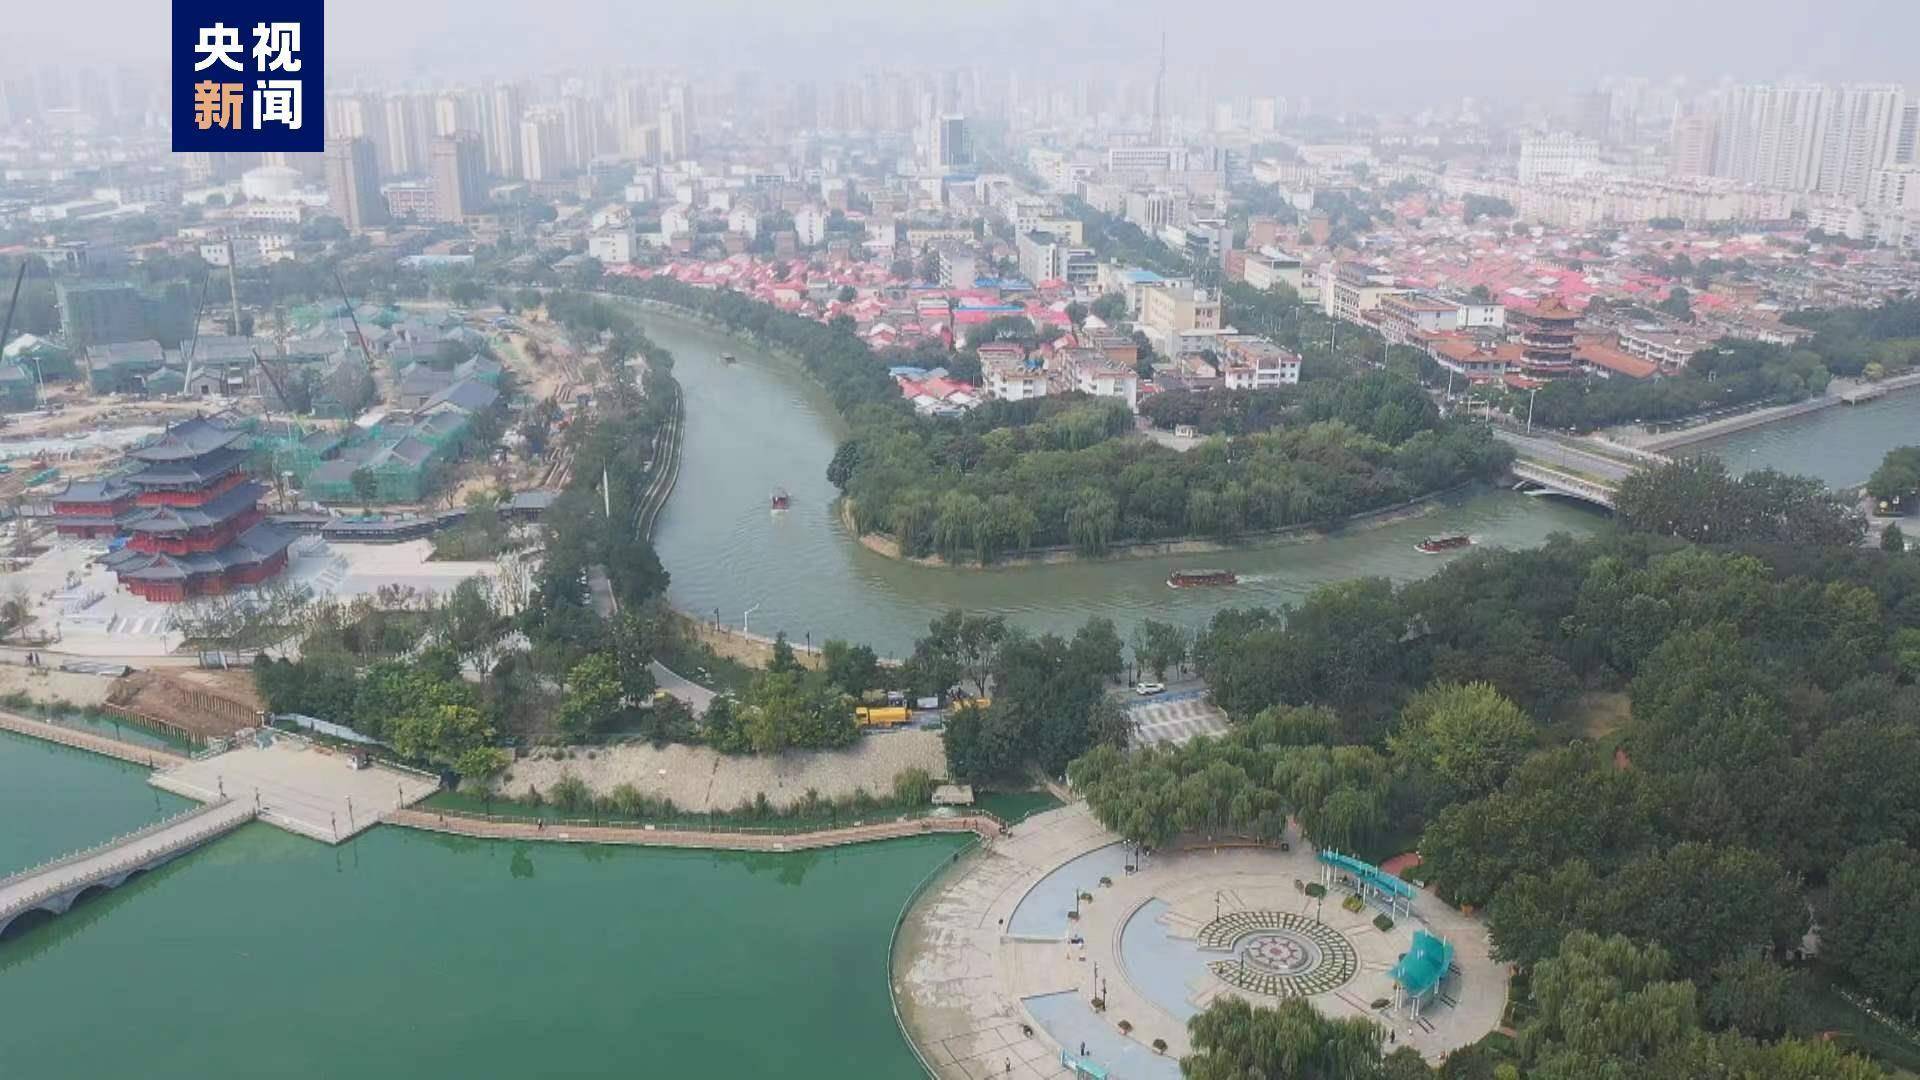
[[1421, 970], [1373, 883]]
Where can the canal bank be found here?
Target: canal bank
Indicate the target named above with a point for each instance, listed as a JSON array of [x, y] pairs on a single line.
[[1841, 446], [762, 423], [1854, 396]]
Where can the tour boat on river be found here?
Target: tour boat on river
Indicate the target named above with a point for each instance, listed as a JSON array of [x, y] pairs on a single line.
[[1188, 579], [726, 358], [781, 500], [1434, 545]]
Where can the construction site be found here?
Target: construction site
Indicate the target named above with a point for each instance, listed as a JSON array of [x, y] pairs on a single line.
[[172, 446]]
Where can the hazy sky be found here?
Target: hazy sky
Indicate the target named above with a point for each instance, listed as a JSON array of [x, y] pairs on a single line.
[[1385, 49]]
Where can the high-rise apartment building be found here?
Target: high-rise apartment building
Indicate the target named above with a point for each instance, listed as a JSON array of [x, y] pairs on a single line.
[[1690, 152], [409, 133], [542, 145], [676, 125], [459, 176], [580, 131], [353, 182], [1771, 135], [501, 131], [1861, 136], [948, 149], [1551, 156], [1263, 115]]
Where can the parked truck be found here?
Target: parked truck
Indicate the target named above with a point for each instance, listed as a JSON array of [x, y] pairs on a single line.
[[869, 716]]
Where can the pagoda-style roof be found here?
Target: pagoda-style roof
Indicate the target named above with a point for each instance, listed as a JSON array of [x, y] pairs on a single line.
[[187, 440], [178, 519], [190, 471], [256, 545], [1552, 309], [89, 492]]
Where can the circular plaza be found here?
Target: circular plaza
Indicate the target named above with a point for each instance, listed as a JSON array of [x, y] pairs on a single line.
[[1059, 950]]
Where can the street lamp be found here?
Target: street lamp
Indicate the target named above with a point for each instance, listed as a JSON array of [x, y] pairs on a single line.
[[1532, 391], [743, 618]]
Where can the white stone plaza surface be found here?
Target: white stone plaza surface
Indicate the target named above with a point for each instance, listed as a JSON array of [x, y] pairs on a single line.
[[987, 977], [80, 603], [300, 787]]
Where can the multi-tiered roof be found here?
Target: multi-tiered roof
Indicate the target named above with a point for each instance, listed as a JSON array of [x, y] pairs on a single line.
[[194, 524]]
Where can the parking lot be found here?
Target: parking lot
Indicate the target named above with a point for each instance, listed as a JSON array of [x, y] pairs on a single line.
[[1173, 717]]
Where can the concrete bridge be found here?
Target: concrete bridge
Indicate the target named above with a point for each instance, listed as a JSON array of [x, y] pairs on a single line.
[[1554, 466], [1541, 479], [57, 885]]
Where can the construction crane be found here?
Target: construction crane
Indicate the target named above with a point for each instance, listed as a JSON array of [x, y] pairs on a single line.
[[193, 342], [274, 378], [357, 334]]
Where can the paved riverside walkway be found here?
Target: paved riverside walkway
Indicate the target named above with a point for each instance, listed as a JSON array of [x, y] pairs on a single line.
[[149, 756], [299, 785], [576, 833], [55, 885]]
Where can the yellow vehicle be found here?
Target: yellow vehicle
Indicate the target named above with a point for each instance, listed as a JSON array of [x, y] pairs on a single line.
[[979, 703], [881, 717]]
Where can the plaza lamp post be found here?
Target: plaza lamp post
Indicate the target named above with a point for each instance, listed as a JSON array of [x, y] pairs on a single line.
[[1530, 393]]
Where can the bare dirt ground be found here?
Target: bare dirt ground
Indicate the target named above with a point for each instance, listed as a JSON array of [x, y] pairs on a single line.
[[203, 702], [700, 779], [81, 411], [50, 687]]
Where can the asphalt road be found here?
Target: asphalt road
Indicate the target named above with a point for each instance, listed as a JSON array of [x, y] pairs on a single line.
[[1563, 456]]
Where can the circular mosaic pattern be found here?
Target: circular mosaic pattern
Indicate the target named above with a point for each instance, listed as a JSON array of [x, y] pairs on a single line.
[[1279, 953]]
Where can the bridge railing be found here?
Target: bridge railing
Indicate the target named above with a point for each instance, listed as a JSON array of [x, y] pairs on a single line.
[[101, 848], [35, 899]]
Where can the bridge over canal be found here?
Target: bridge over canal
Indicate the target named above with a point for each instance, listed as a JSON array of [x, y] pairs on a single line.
[[56, 885]]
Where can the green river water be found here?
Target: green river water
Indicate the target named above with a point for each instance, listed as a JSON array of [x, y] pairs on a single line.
[[55, 800], [1841, 445], [404, 954]]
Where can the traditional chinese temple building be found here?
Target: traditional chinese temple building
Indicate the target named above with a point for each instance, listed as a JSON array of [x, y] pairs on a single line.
[[190, 513], [1547, 340]]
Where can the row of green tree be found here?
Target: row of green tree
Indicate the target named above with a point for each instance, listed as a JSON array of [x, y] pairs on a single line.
[[1774, 694], [1729, 374]]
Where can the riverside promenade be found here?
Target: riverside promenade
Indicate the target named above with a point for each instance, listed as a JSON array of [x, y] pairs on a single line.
[[983, 825], [151, 757]]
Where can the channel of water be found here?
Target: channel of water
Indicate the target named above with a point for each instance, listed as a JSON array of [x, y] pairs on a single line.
[[761, 423]]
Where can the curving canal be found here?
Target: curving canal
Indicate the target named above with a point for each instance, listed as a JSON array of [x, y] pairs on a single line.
[[762, 423]]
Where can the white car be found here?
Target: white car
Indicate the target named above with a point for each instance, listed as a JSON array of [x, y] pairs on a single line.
[[1148, 689]]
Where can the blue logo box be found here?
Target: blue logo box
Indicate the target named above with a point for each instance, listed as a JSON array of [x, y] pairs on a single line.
[[248, 76]]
